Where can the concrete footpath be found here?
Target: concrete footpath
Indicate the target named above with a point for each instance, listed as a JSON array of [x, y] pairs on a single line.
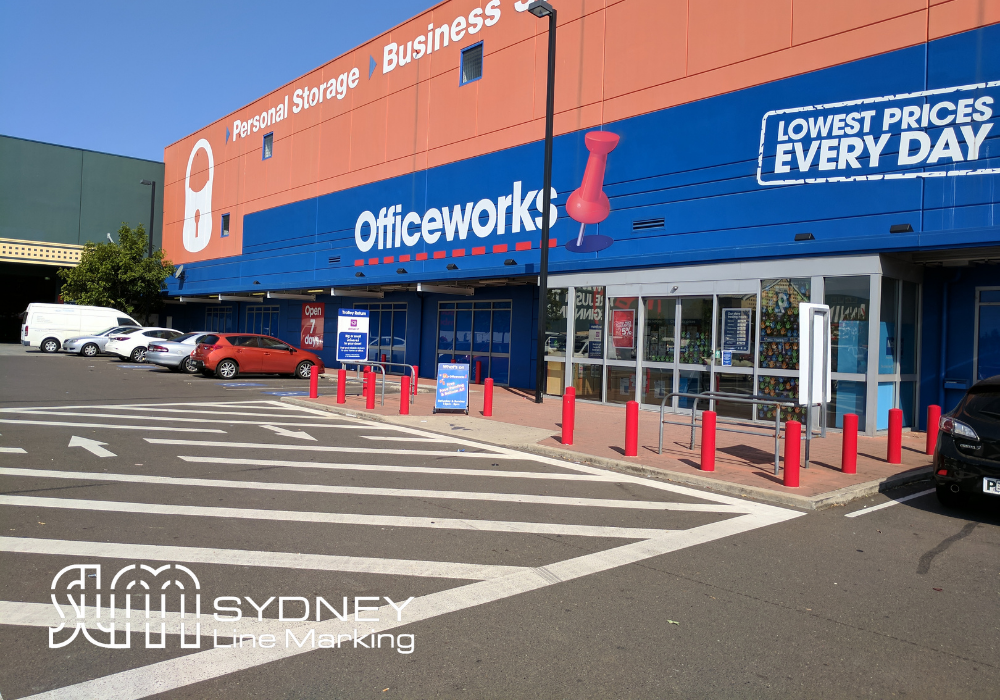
[[744, 463]]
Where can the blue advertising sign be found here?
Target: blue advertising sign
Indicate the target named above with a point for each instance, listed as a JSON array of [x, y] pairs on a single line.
[[352, 335], [452, 387]]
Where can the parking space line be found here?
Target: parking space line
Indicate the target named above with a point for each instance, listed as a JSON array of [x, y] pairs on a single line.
[[893, 502], [515, 527], [263, 420], [332, 448], [172, 429], [13, 450], [372, 491], [239, 557], [347, 466]]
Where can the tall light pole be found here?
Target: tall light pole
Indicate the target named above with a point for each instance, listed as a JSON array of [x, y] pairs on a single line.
[[540, 9], [152, 210]]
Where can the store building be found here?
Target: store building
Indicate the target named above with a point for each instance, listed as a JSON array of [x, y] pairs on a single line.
[[770, 153], [53, 200]]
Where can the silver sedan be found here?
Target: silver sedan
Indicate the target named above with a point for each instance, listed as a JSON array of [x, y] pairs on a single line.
[[92, 345], [175, 354]]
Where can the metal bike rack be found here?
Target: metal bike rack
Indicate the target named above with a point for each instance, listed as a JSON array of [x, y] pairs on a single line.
[[381, 366], [755, 399]]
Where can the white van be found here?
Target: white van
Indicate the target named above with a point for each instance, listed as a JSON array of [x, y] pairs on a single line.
[[47, 326]]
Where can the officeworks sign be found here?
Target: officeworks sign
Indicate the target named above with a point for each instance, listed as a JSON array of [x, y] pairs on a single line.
[[935, 133]]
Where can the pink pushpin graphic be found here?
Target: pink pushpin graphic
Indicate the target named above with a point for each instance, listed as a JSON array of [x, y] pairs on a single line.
[[589, 204]]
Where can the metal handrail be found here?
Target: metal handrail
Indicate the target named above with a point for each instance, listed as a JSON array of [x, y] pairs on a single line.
[[753, 399], [382, 366]]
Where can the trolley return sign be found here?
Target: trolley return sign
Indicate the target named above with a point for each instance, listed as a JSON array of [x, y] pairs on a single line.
[[352, 335], [934, 133]]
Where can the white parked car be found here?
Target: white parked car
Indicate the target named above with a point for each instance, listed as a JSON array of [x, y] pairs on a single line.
[[47, 326], [132, 345], [93, 345]]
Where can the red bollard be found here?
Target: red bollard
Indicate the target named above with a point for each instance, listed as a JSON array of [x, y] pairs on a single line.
[[416, 376], [488, 399], [341, 386], [849, 453], [383, 357], [632, 429], [894, 450], [404, 396], [314, 382], [933, 423], [568, 415], [708, 441], [370, 390], [793, 433]]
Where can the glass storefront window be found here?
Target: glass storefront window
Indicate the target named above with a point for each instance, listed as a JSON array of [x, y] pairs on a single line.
[[779, 321], [657, 383], [621, 384], [658, 335], [693, 382], [587, 381], [849, 299], [908, 329], [589, 323], [734, 384], [555, 322], [735, 325], [887, 328], [780, 388], [623, 313], [696, 331], [846, 397]]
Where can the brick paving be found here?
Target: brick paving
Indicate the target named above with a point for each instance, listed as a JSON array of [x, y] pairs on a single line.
[[600, 431]]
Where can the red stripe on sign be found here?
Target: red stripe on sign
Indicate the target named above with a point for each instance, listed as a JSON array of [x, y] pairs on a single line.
[[421, 256], [438, 254], [373, 261], [389, 259], [359, 263], [459, 253], [501, 248], [552, 243], [479, 251], [523, 245], [404, 258]]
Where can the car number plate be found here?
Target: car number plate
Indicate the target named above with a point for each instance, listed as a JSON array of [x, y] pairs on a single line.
[[991, 486]]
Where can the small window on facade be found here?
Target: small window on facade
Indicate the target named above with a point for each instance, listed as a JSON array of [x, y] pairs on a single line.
[[472, 63], [268, 145], [225, 225]]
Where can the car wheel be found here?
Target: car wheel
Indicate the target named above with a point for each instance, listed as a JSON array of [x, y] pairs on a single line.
[[227, 369], [189, 365], [89, 350], [138, 355], [303, 369], [49, 345], [948, 498]]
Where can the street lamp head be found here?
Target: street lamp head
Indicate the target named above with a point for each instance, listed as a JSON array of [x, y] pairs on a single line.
[[145, 182], [540, 8]]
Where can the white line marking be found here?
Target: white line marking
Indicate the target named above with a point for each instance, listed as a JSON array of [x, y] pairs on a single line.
[[526, 528], [14, 451], [327, 448], [300, 434], [893, 502], [92, 446], [117, 427], [393, 438], [347, 466], [238, 557], [205, 665], [195, 420], [370, 491]]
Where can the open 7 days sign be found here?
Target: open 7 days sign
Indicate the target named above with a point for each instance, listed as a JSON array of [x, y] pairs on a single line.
[[891, 137]]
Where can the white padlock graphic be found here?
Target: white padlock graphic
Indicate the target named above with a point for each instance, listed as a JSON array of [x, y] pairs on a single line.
[[197, 234]]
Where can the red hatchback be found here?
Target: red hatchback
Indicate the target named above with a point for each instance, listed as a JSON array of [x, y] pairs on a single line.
[[226, 355]]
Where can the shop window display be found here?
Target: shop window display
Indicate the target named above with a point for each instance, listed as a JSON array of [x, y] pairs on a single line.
[[779, 322], [780, 388], [696, 331]]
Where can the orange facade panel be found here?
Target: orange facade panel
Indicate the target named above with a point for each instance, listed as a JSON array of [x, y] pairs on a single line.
[[389, 107]]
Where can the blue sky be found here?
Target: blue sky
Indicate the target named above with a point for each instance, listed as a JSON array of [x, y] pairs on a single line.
[[132, 77]]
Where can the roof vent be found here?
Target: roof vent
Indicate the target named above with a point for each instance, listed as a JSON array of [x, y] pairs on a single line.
[[646, 224], [334, 259]]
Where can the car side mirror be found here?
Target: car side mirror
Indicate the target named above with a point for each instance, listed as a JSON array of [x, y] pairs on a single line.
[[293, 350]]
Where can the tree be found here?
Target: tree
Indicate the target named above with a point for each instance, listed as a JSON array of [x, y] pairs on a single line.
[[118, 275]]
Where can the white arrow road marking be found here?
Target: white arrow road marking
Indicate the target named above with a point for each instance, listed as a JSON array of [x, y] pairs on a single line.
[[92, 446], [300, 434]]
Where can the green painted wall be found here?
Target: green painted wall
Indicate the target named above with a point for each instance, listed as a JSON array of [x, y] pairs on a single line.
[[57, 194]]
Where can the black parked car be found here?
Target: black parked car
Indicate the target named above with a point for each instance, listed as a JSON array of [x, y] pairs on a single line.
[[967, 456]]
